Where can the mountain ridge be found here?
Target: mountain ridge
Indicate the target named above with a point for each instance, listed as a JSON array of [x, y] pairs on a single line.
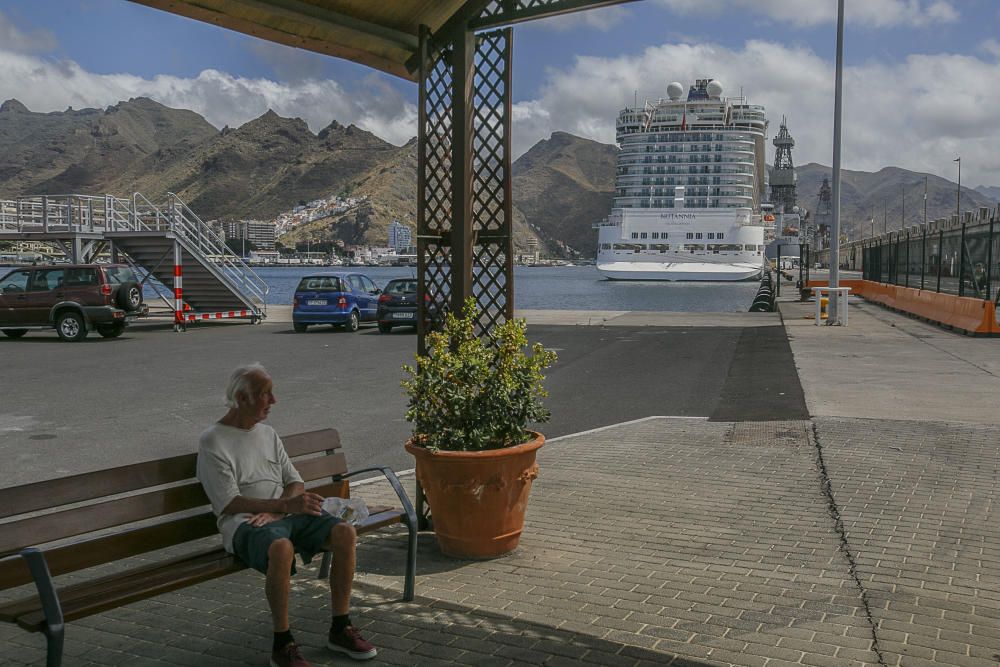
[[561, 186]]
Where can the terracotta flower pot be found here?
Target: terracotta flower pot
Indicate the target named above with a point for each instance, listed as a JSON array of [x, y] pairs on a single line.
[[478, 499]]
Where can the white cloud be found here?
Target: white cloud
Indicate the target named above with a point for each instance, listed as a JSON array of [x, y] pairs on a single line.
[[991, 47], [223, 99], [873, 13], [14, 39], [917, 114], [603, 18]]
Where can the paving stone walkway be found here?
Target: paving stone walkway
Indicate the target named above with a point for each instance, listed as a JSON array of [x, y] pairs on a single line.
[[918, 505], [666, 541]]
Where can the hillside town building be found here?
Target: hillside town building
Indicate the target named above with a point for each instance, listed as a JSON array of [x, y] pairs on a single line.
[[262, 234]]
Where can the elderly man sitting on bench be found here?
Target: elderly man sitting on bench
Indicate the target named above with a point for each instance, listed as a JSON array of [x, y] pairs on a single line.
[[266, 516]]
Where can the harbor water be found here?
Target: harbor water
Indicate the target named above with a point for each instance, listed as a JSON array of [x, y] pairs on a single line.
[[560, 288]]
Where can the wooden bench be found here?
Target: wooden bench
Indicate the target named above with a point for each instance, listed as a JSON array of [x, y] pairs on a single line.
[[45, 538]]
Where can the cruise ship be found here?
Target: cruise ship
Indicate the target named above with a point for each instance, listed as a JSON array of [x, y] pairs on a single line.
[[688, 189]]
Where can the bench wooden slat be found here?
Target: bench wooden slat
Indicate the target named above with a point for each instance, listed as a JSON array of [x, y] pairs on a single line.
[[89, 485], [323, 466], [380, 520], [98, 516], [134, 578], [88, 553], [88, 597], [311, 442], [109, 513], [133, 477], [100, 595]]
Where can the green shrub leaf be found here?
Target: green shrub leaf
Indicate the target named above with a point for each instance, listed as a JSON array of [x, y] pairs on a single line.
[[471, 393]]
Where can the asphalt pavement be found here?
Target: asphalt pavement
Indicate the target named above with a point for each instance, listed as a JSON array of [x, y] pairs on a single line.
[[70, 408]]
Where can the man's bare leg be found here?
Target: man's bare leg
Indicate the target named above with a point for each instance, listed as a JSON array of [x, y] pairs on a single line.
[[341, 544], [343, 637], [279, 575]]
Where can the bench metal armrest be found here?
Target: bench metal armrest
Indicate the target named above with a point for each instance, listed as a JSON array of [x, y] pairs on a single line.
[[409, 579], [50, 603], [411, 514]]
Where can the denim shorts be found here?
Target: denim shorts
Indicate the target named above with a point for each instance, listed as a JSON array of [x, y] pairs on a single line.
[[307, 533]]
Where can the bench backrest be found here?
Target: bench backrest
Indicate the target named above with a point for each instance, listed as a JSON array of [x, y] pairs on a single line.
[[69, 517]]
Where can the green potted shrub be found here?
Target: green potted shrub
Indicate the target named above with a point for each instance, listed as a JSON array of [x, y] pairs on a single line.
[[471, 401]]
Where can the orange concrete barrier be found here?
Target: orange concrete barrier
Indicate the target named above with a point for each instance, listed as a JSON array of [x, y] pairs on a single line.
[[960, 312]]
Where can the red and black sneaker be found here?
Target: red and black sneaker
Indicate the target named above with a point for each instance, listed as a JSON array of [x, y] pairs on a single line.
[[350, 642], [289, 656]]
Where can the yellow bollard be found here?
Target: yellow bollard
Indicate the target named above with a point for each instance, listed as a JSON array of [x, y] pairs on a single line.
[[822, 307]]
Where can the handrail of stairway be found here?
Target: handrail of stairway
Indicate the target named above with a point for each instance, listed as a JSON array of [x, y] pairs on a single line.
[[208, 242], [176, 222], [205, 241], [138, 224]]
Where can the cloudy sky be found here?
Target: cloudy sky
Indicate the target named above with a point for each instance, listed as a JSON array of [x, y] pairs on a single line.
[[920, 85]]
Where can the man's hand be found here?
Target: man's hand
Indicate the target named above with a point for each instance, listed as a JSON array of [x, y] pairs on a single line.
[[305, 503], [257, 520]]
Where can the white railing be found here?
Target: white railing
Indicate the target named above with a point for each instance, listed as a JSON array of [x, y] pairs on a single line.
[[60, 213]]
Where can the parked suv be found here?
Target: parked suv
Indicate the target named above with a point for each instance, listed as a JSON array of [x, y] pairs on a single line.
[[73, 298]]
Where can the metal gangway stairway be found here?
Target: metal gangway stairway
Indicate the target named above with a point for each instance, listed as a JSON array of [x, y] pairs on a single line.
[[204, 279]]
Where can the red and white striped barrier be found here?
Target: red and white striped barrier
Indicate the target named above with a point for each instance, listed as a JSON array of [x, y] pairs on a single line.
[[178, 288], [225, 315]]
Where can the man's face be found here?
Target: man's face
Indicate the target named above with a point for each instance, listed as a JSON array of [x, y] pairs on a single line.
[[258, 403]]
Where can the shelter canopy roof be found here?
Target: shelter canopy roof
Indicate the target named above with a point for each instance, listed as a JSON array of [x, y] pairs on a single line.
[[382, 34]]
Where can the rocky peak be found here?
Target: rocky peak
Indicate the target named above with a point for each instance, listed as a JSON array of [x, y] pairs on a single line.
[[13, 106], [334, 126]]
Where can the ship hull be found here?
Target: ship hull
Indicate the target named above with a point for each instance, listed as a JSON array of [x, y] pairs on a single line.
[[679, 271]]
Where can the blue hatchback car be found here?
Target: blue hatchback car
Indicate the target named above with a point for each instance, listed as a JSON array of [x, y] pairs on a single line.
[[339, 298]]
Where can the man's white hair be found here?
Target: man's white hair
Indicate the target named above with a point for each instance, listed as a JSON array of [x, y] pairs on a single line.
[[241, 380]]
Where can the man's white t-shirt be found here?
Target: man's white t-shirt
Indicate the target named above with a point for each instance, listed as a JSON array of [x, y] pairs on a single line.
[[234, 462]]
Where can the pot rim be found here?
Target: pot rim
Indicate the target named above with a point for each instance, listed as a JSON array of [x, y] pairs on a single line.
[[532, 444]]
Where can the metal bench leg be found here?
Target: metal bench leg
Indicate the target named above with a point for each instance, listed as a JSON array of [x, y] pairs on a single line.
[[411, 561], [54, 624], [324, 566], [54, 643]]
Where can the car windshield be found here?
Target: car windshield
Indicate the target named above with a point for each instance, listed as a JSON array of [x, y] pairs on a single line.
[[118, 275], [316, 283], [401, 287]]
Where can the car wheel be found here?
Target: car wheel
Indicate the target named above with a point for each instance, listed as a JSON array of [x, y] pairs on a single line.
[[353, 323], [14, 333], [71, 327], [111, 330], [129, 296], [300, 327], [384, 327]]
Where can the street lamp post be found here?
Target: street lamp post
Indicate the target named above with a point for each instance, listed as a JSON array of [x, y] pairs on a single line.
[[838, 106], [958, 198]]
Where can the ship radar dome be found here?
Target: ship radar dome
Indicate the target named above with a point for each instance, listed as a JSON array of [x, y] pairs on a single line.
[[714, 88], [675, 90]]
